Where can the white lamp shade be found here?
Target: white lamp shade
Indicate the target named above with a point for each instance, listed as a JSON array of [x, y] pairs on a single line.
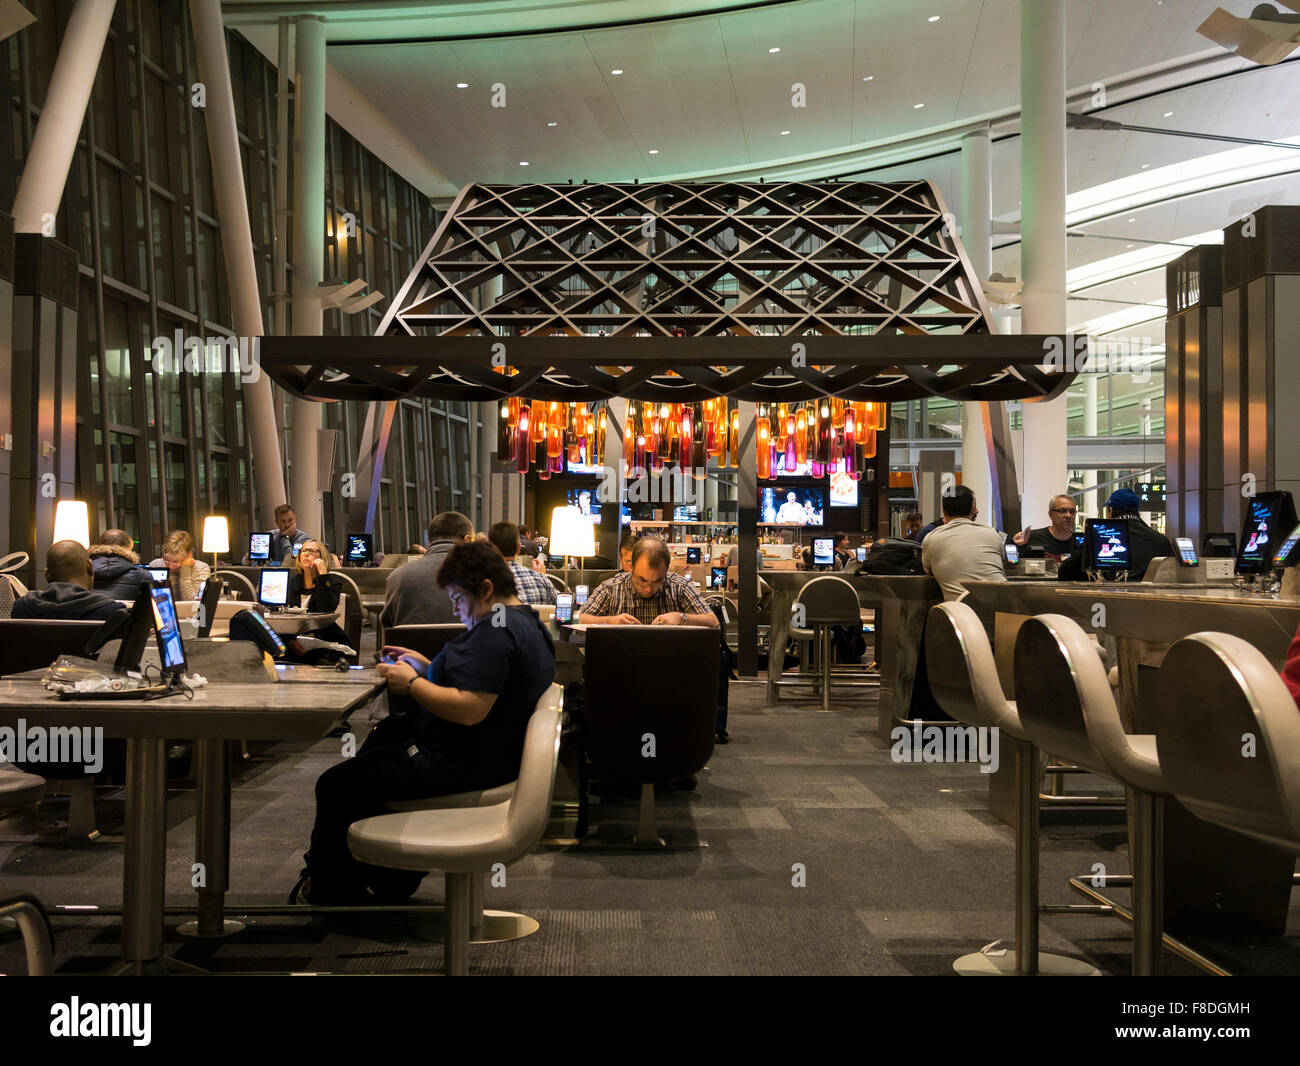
[[572, 533], [72, 522], [216, 534]]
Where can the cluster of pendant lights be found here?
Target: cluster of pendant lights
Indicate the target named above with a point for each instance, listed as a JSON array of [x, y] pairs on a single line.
[[827, 435]]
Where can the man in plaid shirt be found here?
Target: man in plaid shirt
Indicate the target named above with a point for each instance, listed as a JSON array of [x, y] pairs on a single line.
[[531, 586], [648, 595]]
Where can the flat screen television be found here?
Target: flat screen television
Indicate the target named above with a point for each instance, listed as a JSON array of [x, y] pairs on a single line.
[[586, 500], [1106, 545], [1270, 516], [686, 514], [792, 505], [581, 467]]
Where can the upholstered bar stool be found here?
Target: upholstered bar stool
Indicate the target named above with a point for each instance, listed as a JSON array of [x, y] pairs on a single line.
[[824, 602], [964, 679], [466, 842], [1228, 732], [1074, 705]]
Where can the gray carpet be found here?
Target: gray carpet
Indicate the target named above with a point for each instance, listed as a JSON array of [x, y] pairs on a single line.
[[903, 867]]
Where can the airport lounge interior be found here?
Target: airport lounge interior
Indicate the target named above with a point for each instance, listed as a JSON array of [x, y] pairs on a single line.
[[339, 340]]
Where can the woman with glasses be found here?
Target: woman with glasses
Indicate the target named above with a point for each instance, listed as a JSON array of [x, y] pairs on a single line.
[[458, 725], [312, 586], [1056, 540]]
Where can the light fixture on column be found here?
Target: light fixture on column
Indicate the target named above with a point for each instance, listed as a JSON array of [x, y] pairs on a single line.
[[72, 522], [333, 294], [216, 536], [572, 533], [1266, 37]]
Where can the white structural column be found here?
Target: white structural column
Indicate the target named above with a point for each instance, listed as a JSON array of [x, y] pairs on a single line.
[[1042, 249], [977, 239], [237, 245], [1088, 504], [308, 252], [46, 171]]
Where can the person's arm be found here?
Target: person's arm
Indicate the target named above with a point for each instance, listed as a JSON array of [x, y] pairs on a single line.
[[693, 610], [597, 611], [324, 595], [451, 704], [187, 582]]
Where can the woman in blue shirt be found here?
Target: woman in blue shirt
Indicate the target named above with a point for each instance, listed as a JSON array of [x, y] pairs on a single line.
[[463, 726]]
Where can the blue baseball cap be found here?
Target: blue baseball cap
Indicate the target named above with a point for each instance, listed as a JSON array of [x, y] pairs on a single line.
[[1124, 501]]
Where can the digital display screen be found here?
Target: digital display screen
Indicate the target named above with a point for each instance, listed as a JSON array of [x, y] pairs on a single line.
[[844, 490], [295, 549], [686, 514], [564, 607], [1107, 544], [360, 548], [1287, 552], [862, 555], [1267, 515], [796, 505], [823, 551], [718, 576], [1013, 554], [169, 632], [581, 466], [580, 595], [259, 546], [1186, 551], [586, 501], [692, 555], [160, 573], [273, 587]]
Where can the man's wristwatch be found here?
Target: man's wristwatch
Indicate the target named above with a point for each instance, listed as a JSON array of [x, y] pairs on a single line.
[[683, 618]]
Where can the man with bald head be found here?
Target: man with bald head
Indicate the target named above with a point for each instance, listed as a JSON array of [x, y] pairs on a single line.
[[70, 594]]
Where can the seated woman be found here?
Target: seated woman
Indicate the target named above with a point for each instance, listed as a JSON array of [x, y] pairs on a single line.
[[458, 724], [311, 586]]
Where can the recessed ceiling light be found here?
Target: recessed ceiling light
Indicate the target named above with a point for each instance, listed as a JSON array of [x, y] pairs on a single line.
[[1145, 165], [462, 85], [523, 162], [933, 18], [552, 123], [654, 151], [869, 77], [1132, 219], [917, 107], [773, 51], [617, 71], [1169, 114], [1128, 246], [785, 133]]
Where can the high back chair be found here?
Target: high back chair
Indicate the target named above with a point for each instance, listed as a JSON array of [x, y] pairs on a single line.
[[964, 680], [651, 711], [466, 842], [428, 640]]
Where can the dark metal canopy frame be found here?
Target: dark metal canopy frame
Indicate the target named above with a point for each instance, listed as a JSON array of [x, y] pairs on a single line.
[[676, 292]]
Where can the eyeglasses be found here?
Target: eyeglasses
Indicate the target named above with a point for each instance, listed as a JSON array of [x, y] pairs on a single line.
[[457, 598], [307, 551], [1065, 510]]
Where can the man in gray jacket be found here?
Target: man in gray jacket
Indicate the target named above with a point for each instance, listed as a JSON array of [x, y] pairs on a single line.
[[412, 593]]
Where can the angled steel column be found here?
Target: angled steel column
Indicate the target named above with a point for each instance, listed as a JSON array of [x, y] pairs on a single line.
[[1042, 251], [46, 170], [237, 247], [747, 543], [308, 251], [977, 239]]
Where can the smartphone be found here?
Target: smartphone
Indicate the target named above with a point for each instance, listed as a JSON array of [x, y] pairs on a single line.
[[580, 595], [1186, 551], [1013, 554], [295, 550], [564, 606]]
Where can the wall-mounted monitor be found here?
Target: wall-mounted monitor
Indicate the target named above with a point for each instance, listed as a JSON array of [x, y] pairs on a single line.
[[585, 500], [792, 505], [686, 514], [844, 490]]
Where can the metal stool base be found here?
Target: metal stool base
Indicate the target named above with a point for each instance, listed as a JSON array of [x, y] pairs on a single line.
[[978, 964]]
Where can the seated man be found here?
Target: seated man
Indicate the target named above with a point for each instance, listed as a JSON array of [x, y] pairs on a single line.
[[648, 594], [70, 594], [187, 572], [1057, 539], [117, 568], [464, 730], [288, 535], [625, 552], [1145, 543], [532, 587], [413, 595], [960, 550]]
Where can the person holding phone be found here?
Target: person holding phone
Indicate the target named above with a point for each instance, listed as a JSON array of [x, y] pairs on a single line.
[[462, 729], [311, 585]]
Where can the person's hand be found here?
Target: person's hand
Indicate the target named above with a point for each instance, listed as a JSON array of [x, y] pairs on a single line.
[[538, 565], [624, 620], [670, 618], [399, 676], [1022, 537], [320, 567], [405, 655]]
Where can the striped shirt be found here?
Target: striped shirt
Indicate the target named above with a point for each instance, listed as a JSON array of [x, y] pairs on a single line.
[[531, 586], [619, 596]]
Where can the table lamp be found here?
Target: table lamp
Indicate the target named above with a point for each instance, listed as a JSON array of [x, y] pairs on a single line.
[[216, 537], [572, 533], [72, 522]]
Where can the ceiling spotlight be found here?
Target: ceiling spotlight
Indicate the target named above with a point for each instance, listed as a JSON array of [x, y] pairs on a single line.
[[1169, 114], [869, 77], [1145, 165], [552, 123], [1266, 37], [523, 162], [462, 85], [617, 71], [1132, 219], [773, 51], [933, 18], [785, 133], [654, 151], [917, 107]]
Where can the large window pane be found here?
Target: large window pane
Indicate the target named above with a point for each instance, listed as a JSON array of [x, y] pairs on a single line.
[[117, 364], [178, 510], [126, 495]]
